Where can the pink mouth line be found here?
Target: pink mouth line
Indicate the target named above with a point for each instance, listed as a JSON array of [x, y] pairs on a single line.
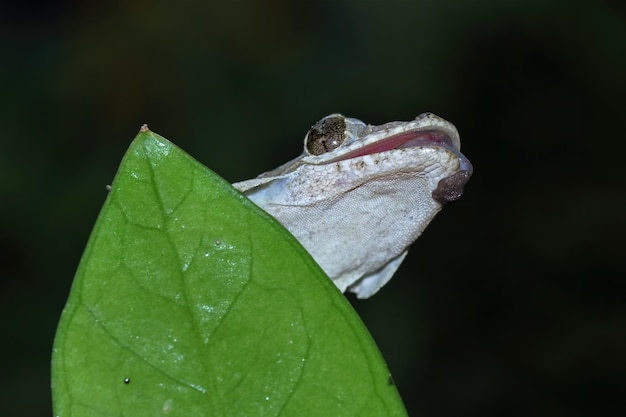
[[403, 140]]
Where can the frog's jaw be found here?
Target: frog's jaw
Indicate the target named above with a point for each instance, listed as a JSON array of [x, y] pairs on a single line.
[[441, 136]]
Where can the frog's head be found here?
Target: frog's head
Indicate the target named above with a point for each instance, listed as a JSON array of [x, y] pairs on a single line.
[[337, 138]]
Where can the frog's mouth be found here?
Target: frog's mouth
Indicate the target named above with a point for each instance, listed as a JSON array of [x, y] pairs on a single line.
[[411, 139], [404, 140], [448, 189]]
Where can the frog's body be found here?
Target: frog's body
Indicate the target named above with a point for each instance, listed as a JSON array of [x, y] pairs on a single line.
[[359, 195]]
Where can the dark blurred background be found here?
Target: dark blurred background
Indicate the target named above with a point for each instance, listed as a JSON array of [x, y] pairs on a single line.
[[510, 303]]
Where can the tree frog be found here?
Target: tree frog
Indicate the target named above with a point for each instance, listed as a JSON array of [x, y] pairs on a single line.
[[359, 195]]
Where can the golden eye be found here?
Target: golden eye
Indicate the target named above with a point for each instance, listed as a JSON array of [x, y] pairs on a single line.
[[325, 135]]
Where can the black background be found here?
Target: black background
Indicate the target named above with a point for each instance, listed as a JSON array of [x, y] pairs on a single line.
[[509, 304]]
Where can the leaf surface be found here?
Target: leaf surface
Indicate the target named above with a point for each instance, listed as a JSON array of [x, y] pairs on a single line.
[[191, 301]]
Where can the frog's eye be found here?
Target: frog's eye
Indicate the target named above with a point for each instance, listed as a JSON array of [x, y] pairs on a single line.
[[325, 135]]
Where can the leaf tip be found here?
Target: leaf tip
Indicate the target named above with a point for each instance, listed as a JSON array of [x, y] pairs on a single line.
[[144, 128]]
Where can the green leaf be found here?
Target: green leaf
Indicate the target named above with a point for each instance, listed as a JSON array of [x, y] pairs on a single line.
[[191, 301]]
